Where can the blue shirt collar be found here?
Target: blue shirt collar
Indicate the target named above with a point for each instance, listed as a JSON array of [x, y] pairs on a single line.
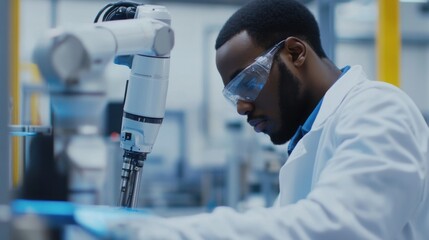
[[306, 127]]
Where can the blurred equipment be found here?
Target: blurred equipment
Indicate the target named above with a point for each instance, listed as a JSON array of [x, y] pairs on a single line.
[[72, 62], [28, 130]]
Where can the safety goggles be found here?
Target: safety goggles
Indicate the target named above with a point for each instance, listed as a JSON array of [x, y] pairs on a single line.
[[247, 85]]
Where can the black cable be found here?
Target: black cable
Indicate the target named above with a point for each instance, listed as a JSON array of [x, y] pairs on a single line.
[[101, 11], [116, 11]]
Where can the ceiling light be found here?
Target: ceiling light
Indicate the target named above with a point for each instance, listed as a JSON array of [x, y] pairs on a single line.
[[414, 1]]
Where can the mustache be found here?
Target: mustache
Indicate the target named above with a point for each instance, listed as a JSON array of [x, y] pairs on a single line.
[[251, 118]]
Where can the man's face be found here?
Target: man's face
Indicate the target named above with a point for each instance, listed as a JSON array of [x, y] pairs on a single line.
[[280, 106]]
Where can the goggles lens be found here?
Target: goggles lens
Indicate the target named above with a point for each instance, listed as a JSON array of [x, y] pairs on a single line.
[[247, 85]]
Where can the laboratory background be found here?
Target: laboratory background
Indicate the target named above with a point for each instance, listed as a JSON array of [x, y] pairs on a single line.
[[205, 155]]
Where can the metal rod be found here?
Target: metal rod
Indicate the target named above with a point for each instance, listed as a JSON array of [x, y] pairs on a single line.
[[5, 165], [136, 187], [54, 11], [125, 179], [326, 10], [130, 180]]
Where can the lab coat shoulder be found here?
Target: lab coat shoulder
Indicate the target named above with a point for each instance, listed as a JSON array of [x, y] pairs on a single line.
[[374, 107], [372, 164], [377, 113], [367, 159]]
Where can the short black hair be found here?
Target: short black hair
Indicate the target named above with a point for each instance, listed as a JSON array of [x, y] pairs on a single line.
[[270, 21]]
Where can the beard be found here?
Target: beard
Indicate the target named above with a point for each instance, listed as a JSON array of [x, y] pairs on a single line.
[[294, 106]]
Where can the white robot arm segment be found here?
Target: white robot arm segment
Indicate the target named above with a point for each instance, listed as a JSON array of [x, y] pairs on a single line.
[[65, 57]]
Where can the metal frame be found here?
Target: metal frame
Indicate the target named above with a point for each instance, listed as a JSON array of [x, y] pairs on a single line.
[[207, 47], [5, 165], [326, 11], [328, 35], [421, 40], [54, 13]]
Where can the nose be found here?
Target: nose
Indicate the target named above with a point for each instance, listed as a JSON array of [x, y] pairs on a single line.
[[244, 108]]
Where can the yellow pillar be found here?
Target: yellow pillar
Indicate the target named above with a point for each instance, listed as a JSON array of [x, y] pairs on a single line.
[[32, 70], [389, 42], [15, 90]]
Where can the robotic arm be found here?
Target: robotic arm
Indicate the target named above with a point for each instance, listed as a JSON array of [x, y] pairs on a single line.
[[71, 61], [67, 57]]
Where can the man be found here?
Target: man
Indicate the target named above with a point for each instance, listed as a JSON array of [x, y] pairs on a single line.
[[359, 162]]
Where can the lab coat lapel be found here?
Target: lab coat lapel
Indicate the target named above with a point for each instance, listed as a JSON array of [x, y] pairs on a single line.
[[336, 94], [296, 175]]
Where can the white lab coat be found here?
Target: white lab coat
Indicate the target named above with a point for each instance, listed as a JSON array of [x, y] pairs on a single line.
[[360, 173]]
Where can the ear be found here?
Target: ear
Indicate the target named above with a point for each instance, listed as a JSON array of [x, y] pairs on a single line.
[[297, 50]]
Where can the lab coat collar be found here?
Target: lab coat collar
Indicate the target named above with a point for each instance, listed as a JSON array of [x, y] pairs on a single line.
[[337, 92]]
